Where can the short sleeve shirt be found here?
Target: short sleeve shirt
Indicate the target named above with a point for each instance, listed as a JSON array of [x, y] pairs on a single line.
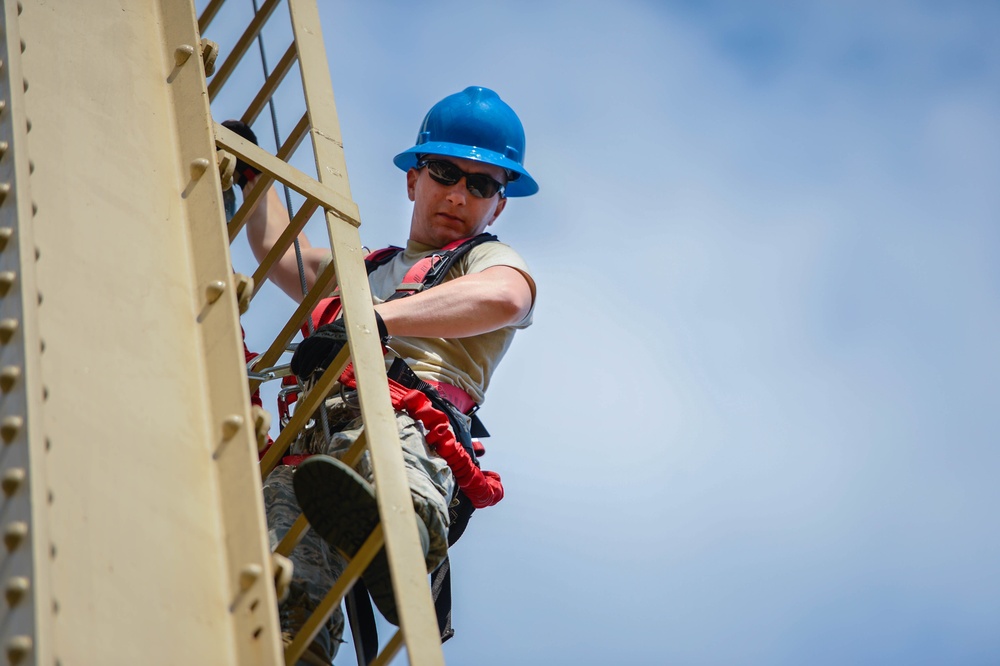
[[467, 363]]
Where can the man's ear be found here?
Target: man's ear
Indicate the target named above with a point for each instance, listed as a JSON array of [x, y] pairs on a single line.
[[411, 183], [499, 209]]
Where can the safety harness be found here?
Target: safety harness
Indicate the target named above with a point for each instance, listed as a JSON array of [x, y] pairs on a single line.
[[436, 405]]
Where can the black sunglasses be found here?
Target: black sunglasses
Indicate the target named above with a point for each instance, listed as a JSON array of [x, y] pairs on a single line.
[[479, 184]]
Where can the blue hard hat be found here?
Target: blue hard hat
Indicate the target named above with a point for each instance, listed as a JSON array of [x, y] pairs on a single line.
[[474, 124]]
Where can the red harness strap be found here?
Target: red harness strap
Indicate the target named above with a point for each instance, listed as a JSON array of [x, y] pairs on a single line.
[[328, 309], [483, 488], [456, 396]]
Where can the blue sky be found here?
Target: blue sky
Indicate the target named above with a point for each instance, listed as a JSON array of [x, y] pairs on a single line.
[[755, 421]]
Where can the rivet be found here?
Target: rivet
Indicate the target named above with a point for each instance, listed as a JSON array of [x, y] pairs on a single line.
[[40, 299], [45, 393], [199, 167], [15, 534], [3, 105], [8, 377], [7, 329], [17, 587], [38, 253], [5, 235], [25, 85], [34, 208], [231, 425], [12, 480], [249, 576], [4, 191], [214, 290], [23, 46], [27, 124], [3, 148], [31, 167], [182, 53], [18, 648], [9, 427], [6, 281], [20, 8]]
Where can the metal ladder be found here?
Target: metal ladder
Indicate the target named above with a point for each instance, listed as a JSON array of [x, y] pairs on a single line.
[[331, 191], [131, 511]]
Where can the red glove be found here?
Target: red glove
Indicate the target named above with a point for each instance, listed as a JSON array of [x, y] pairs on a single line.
[[493, 480]]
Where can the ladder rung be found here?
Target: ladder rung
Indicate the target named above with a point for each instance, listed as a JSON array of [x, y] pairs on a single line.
[[265, 179], [355, 567], [323, 283], [284, 242], [353, 455], [270, 85], [223, 73], [299, 528], [208, 14], [390, 649], [275, 166], [305, 409], [293, 536]]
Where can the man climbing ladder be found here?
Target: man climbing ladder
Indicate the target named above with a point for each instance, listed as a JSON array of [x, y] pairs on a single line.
[[446, 342]]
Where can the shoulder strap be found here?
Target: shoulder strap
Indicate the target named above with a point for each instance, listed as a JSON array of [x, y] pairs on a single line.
[[432, 269], [380, 257], [328, 308]]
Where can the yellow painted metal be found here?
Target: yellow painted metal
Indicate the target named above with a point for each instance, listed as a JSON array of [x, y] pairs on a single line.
[[324, 281], [292, 537], [389, 651], [307, 406], [225, 70], [135, 462], [284, 241], [156, 543], [406, 561], [298, 529], [330, 199], [208, 14], [26, 619], [266, 179], [266, 91], [352, 572]]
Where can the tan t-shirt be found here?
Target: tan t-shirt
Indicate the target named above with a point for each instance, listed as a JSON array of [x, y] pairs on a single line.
[[467, 363]]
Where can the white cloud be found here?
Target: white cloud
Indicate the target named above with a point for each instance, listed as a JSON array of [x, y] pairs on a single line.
[[754, 420]]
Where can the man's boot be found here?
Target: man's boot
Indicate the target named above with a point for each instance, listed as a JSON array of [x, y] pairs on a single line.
[[340, 505]]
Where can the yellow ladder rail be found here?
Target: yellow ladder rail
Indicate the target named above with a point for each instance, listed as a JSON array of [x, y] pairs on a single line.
[[128, 474], [330, 191]]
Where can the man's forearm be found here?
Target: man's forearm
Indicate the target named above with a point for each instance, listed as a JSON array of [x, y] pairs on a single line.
[[463, 307], [264, 226]]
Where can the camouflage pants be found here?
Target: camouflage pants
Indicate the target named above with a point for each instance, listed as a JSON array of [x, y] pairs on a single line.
[[317, 565]]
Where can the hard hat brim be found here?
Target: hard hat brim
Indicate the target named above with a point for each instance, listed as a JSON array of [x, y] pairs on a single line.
[[524, 186]]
